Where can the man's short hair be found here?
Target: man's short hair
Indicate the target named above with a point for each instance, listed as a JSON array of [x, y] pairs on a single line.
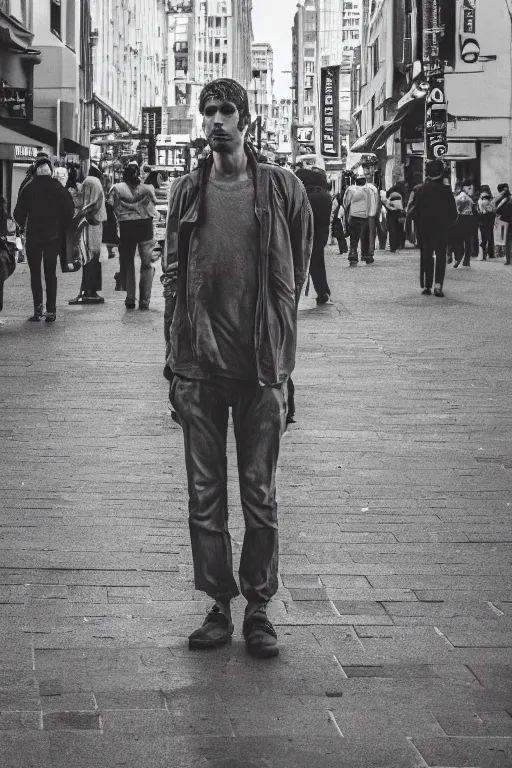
[[502, 187], [468, 183], [43, 160], [434, 169], [225, 89]]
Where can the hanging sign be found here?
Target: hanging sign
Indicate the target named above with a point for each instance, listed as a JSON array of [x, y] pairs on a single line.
[[436, 119], [469, 45], [330, 115]]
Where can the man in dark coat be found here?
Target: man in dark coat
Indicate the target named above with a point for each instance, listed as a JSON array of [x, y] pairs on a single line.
[[47, 210], [317, 190], [432, 207]]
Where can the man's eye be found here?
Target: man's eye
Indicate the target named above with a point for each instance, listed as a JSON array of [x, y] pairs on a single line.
[[227, 109], [210, 111]]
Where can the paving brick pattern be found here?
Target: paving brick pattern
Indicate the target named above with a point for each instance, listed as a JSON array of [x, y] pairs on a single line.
[[394, 610]]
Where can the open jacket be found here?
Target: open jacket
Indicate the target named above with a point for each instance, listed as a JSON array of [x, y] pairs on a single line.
[[286, 236]]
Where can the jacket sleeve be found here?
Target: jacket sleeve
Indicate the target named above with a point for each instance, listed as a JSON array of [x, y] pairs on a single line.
[[451, 208], [21, 209], [301, 235], [68, 208], [169, 278]]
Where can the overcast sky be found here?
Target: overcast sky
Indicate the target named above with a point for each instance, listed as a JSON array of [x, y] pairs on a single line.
[[272, 21]]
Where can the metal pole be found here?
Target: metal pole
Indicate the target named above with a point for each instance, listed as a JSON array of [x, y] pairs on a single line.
[[318, 82]]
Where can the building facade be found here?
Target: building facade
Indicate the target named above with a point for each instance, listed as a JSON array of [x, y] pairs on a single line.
[[45, 61], [469, 42], [206, 40], [128, 46]]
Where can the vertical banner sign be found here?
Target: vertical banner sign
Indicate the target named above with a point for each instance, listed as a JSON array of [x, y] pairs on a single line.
[[436, 125], [430, 32], [330, 112], [469, 45], [469, 17]]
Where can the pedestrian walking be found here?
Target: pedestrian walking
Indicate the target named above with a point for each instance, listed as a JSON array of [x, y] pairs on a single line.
[[503, 203], [465, 226], [395, 216], [239, 237], [134, 206], [338, 226], [433, 210], [316, 186], [94, 214], [46, 208], [358, 206], [486, 211]]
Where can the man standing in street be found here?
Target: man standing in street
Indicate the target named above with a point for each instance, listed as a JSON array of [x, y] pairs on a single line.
[[239, 237], [433, 209], [47, 209], [361, 204]]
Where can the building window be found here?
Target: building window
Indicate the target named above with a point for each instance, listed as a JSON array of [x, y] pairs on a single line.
[[56, 17], [70, 24], [372, 111], [16, 8], [375, 57]]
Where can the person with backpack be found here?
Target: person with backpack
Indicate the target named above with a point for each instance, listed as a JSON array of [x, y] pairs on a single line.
[[503, 203]]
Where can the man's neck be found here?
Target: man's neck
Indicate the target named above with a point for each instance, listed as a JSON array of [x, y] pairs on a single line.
[[230, 167]]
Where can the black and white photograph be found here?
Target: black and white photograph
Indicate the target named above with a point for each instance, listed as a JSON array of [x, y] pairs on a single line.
[[255, 383]]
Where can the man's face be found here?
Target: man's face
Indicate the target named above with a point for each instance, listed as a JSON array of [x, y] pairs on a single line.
[[469, 189], [220, 123]]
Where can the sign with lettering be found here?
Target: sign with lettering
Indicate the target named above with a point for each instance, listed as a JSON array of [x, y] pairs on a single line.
[[330, 115], [436, 119], [469, 17], [15, 103], [23, 153]]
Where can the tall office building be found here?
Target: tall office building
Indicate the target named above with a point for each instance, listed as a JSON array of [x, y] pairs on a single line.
[[261, 90]]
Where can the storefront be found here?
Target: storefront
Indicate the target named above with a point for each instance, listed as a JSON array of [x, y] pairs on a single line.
[[17, 153]]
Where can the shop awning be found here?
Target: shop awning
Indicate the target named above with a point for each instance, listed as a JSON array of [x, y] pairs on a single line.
[[9, 136], [43, 136], [368, 142], [406, 106], [107, 110]]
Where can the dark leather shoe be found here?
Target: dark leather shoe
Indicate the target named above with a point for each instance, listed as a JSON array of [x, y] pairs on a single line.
[[215, 631], [426, 292], [260, 636]]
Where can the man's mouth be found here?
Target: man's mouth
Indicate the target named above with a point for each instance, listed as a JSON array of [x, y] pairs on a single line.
[[219, 135]]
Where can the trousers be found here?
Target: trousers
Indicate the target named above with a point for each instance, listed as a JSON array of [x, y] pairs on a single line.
[[317, 265], [464, 233], [46, 254], [259, 416], [432, 243], [133, 236], [362, 229]]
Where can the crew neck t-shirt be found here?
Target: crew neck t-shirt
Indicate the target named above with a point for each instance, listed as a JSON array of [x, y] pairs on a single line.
[[225, 257]]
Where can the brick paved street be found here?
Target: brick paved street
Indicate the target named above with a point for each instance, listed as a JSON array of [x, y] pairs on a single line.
[[394, 611]]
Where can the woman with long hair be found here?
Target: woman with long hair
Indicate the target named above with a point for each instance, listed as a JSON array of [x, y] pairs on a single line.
[[90, 232]]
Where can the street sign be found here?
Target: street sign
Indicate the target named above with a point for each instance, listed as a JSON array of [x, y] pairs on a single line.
[[436, 119], [330, 112]]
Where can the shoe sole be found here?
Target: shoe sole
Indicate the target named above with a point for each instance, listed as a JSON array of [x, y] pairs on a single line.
[[205, 645], [259, 652]]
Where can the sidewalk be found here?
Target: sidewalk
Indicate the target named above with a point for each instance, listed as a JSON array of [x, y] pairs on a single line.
[[395, 488]]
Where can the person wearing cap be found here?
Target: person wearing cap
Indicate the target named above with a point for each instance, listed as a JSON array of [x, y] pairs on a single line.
[[317, 189], [432, 207], [239, 238], [46, 208]]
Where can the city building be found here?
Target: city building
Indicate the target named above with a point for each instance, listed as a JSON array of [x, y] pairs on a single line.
[[207, 39], [282, 113], [261, 95], [469, 47], [129, 67], [45, 70], [304, 60]]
